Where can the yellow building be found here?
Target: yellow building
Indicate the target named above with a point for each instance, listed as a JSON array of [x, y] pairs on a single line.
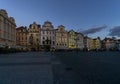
[[98, 43], [7, 30], [61, 38], [71, 39], [95, 44], [34, 36], [92, 44]]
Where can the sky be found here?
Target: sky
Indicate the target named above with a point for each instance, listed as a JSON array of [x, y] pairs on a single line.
[[90, 17]]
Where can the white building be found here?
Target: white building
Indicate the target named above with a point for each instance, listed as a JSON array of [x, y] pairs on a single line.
[[79, 41], [47, 36]]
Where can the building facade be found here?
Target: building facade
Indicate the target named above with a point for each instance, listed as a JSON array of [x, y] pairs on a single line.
[[95, 44], [71, 39], [98, 44], [110, 43], [7, 30], [61, 38], [21, 37], [87, 43], [33, 37], [118, 44], [79, 41], [47, 36]]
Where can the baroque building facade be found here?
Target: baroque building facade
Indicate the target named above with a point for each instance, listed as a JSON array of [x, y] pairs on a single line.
[[21, 37], [71, 39], [37, 38], [87, 43], [34, 36], [7, 30], [79, 41], [95, 44], [61, 38], [47, 36], [109, 43]]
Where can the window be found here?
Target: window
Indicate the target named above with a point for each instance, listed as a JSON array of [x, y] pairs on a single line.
[[37, 39], [43, 42], [4, 28], [19, 30], [5, 21], [34, 27], [0, 25], [43, 38], [53, 42], [23, 30], [47, 41]]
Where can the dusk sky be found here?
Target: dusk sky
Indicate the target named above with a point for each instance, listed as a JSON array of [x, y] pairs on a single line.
[[91, 17]]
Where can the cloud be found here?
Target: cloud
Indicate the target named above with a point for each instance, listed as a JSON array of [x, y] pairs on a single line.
[[115, 31], [94, 30]]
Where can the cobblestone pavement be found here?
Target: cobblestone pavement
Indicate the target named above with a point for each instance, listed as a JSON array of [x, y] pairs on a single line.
[[87, 67], [64, 74], [35, 68], [60, 68], [26, 68]]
